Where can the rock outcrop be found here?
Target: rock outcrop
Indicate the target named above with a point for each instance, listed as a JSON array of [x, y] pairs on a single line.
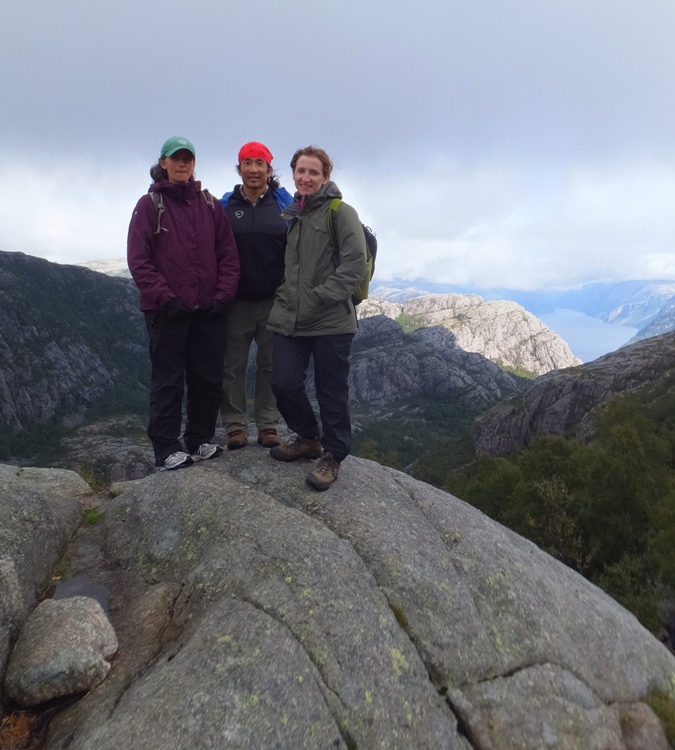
[[117, 448], [39, 512], [562, 403], [387, 364], [252, 612], [500, 331]]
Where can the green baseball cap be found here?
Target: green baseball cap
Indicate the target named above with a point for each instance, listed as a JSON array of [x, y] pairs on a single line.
[[176, 144]]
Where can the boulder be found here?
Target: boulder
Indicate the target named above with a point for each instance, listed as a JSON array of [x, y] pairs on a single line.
[[254, 612], [39, 511], [61, 650]]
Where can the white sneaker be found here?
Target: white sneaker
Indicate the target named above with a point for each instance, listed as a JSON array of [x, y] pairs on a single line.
[[206, 451], [178, 460]]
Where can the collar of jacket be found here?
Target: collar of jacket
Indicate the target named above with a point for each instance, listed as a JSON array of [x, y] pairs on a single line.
[[239, 194], [180, 191], [325, 193]]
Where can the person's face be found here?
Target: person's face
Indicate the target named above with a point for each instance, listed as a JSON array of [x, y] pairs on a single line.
[[254, 173], [308, 175], [180, 166]]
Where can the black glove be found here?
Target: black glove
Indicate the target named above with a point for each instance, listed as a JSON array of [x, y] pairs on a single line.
[[216, 308], [175, 308]]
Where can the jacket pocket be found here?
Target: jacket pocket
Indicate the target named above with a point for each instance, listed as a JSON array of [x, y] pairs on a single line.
[[309, 304]]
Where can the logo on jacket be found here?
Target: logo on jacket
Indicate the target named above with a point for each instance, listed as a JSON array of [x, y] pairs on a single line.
[[239, 214]]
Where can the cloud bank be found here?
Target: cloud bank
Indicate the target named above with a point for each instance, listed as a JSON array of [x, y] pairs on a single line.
[[520, 144]]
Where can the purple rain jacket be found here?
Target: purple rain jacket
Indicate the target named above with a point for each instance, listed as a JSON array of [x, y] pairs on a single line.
[[194, 257]]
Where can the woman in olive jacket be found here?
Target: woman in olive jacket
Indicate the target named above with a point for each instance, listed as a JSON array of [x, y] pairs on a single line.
[[313, 315]]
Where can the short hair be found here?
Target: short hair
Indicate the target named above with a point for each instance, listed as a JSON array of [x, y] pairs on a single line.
[[320, 154]]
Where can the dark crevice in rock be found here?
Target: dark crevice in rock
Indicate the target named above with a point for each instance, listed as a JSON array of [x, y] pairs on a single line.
[[272, 615], [344, 733], [548, 663], [450, 547], [463, 727], [161, 645], [434, 675]]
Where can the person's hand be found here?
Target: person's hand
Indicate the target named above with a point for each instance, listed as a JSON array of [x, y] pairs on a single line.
[[216, 309], [175, 308]]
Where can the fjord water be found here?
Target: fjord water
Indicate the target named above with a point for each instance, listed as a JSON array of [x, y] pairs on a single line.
[[588, 338]]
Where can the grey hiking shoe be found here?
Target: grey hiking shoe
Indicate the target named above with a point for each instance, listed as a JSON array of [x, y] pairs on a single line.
[[206, 451], [297, 447], [178, 460], [326, 472]]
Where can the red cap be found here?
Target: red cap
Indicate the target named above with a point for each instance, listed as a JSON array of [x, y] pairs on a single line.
[[255, 150]]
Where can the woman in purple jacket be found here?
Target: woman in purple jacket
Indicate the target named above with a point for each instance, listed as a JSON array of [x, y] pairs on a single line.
[[183, 258]]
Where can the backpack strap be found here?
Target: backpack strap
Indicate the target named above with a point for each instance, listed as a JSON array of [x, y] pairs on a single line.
[[158, 201], [209, 199], [333, 208]]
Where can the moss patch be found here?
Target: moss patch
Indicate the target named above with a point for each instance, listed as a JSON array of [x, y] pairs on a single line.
[[663, 706]]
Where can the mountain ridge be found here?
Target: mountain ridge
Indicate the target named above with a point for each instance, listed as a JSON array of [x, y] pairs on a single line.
[[564, 402]]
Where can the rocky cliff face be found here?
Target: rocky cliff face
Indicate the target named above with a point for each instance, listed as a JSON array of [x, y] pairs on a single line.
[[500, 331], [662, 323], [67, 336], [388, 364], [643, 305], [252, 612], [562, 403]]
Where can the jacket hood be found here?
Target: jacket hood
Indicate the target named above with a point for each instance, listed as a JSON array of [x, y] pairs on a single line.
[[325, 193]]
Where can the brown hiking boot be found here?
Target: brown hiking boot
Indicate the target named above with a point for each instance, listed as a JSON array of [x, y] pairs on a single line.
[[326, 472], [297, 447], [268, 438], [236, 439]]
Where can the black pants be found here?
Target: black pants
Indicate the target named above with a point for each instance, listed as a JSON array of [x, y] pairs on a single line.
[[184, 351], [331, 374]]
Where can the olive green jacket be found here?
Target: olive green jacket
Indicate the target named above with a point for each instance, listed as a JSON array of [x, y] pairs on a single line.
[[314, 298]]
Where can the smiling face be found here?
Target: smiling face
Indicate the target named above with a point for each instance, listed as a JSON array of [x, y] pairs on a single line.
[[308, 175], [180, 166], [254, 174]]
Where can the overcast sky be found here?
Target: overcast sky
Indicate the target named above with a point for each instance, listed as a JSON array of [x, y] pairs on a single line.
[[512, 143]]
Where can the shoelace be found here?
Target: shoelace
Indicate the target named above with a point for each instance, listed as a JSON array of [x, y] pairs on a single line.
[[327, 461]]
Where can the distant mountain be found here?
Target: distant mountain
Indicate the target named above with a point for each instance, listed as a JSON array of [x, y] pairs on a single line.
[[69, 338], [662, 323], [392, 294], [114, 267], [563, 402], [630, 303], [501, 331]]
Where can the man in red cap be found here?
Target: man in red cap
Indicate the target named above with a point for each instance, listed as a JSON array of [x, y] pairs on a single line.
[[254, 210]]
